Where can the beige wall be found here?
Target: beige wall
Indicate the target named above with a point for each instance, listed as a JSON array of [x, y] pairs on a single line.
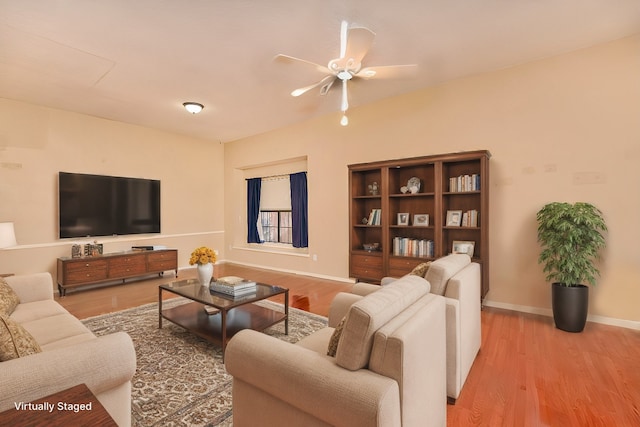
[[553, 126], [560, 129], [37, 142]]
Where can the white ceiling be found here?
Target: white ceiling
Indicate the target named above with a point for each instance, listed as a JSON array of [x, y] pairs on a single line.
[[136, 61]]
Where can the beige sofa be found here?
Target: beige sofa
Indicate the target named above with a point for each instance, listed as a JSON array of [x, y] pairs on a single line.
[[458, 280], [70, 355], [389, 367]]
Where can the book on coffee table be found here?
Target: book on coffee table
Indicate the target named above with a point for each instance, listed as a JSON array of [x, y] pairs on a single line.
[[234, 286], [235, 282], [211, 310]]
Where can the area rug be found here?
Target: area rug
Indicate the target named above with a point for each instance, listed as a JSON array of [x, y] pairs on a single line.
[[180, 379]]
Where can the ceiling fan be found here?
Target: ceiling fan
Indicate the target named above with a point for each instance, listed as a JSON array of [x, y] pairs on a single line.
[[354, 45]]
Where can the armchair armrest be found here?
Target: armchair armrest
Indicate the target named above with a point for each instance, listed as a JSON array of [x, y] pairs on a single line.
[[32, 287], [102, 364], [340, 306], [387, 280], [364, 289], [464, 333], [311, 382]]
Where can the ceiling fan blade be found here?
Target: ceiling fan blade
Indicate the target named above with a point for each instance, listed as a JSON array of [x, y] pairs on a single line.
[[345, 102], [292, 60], [359, 41], [328, 80], [325, 88], [388, 72], [344, 28]]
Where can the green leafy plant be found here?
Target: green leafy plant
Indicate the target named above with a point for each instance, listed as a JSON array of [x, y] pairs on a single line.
[[571, 239]]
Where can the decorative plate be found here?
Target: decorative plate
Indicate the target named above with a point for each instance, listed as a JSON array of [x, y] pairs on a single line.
[[414, 182]]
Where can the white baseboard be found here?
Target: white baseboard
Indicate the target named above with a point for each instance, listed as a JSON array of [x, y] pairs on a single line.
[[630, 324]]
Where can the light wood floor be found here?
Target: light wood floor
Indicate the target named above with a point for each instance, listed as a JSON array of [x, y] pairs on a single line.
[[528, 373]]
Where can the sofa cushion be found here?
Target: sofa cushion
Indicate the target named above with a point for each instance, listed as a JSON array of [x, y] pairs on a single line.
[[421, 269], [15, 341], [8, 298], [370, 313], [442, 269], [49, 331]]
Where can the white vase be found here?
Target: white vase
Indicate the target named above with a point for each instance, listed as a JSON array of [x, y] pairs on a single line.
[[205, 271]]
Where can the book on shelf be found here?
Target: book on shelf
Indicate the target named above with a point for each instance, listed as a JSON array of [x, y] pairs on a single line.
[[374, 217], [405, 246], [470, 218], [458, 184]]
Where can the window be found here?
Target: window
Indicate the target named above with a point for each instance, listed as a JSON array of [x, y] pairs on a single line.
[[276, 226], [277, 210]]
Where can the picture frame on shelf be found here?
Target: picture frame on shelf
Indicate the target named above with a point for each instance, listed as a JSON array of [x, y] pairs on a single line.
[[454, 218], [463, 247], [403, 218], [421, 220]]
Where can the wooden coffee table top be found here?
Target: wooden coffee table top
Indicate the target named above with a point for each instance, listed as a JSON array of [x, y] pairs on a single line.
[[75, 406]]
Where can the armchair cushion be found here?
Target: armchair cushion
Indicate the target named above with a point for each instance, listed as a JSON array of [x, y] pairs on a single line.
[[421, 269], [15, 341], [443, 269], [8, 298], [367, 315], [335, 338]]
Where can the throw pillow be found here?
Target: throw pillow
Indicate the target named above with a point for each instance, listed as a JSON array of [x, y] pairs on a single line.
[[15, 341], [421, 269], [8, 298], [335, 338]]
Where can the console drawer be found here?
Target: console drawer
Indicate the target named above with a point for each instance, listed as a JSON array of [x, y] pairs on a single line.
[[162, 261], [127, 266], [85, 271], [366, 267]]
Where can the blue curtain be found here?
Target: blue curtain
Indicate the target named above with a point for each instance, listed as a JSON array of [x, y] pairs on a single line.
[[253, 209], [299, 210]]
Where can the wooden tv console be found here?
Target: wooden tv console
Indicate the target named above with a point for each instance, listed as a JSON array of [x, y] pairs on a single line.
[[74, 272]]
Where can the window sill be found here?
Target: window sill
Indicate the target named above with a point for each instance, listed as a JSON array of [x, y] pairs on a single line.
[[275, 248]]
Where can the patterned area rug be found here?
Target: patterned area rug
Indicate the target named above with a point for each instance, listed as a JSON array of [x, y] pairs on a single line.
[[180, 379]]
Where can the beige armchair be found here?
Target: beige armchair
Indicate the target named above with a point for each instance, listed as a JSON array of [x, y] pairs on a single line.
[[388, 370], [458, 280]]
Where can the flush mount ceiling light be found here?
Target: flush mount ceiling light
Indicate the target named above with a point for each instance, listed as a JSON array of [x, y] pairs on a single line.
[[193, 107]]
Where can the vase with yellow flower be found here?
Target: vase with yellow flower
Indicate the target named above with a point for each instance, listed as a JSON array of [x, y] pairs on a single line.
[[204, 258]]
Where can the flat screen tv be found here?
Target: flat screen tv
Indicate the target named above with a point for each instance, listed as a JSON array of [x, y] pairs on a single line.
[[98, 205]]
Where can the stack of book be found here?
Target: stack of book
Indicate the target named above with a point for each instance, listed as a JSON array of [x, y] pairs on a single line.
[[234, 286], [405, 246]]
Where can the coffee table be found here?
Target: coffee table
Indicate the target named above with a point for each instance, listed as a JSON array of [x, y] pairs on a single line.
[[235, 314]]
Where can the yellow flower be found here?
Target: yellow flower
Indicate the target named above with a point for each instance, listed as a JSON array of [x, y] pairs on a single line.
[[202, 255]]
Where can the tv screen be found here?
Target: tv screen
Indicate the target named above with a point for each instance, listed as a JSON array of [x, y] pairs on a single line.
[[98, 205]]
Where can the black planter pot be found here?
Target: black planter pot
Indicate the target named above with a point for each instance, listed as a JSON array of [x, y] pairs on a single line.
[[570, 306]]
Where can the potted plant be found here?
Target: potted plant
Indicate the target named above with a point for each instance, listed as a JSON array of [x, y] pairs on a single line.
[[571, 239]]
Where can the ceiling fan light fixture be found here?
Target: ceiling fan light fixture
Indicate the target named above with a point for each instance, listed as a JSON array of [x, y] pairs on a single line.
[[193, 107]]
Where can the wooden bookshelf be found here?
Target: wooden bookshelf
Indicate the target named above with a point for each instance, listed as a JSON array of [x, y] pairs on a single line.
[[402, 245]]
